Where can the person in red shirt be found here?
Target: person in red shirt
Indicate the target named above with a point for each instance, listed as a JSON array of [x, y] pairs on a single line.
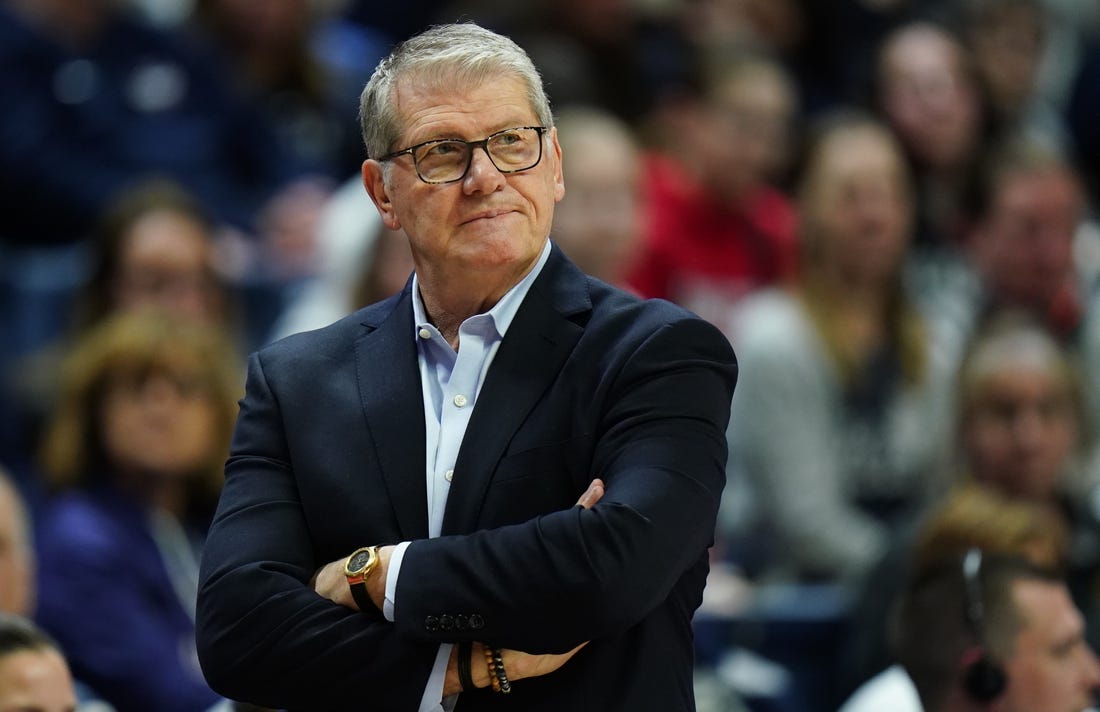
[[716, 227]]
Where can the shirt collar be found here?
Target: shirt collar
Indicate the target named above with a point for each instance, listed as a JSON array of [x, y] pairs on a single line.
[[502, 313]]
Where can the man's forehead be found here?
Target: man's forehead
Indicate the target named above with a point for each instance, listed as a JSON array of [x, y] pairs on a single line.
[[1046, 608], [424, 110]]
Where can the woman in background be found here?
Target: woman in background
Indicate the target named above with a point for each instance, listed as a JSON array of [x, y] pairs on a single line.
[[134, 454], [838, 418]]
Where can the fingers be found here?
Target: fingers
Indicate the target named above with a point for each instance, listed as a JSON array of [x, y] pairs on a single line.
[[574, 651], [592, 494]]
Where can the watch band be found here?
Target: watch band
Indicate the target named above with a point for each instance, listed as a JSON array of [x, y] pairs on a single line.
[[359, 593]]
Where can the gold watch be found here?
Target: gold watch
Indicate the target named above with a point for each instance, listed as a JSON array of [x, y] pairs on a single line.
[[357, 568]]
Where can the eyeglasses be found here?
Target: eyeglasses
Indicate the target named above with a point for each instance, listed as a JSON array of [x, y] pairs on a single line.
[[448, 160]]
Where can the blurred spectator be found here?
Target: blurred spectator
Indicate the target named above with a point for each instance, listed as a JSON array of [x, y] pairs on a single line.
[[1028, 210], [135, 451], [716, 227], [359, 262], [985, 630], [1024, 248], [1021, 435], [971, 516], [838, 421], [779, 26], [18, 566], [1022, 426], [33, 674], [619, 55], [927, 91], [1024, 430], [153, 247], [390, 266], [826, 47], [599, 222], [1007, 39]]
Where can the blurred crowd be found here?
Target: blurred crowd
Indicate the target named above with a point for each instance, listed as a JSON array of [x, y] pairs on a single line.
[[888, 206]]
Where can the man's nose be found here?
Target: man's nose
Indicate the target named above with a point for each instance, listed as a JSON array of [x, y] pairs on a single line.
[[483, 175], [1092, 673]]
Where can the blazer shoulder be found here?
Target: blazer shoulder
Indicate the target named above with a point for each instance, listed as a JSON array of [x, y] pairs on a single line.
[[334, 340]]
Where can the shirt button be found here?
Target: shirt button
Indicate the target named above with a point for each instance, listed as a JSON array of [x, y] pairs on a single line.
[[449, 475], [425, 334], [460, 400]]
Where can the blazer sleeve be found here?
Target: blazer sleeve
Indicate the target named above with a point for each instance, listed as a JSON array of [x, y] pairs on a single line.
[[263, 635], [547, 584]]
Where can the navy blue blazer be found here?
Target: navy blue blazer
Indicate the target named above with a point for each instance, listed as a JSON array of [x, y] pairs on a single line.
[[328, 455]]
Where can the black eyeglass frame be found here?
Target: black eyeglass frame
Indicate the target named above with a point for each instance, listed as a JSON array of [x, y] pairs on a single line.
[[483, 144]]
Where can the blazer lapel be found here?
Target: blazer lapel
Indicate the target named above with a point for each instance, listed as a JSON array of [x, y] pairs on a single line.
[[389, 383], [537, 343]]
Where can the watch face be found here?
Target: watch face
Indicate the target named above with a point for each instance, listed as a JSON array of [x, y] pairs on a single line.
[[359, 561]]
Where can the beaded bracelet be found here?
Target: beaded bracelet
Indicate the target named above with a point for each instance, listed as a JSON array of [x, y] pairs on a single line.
[[465, 678], [492, 669], [497, 677]]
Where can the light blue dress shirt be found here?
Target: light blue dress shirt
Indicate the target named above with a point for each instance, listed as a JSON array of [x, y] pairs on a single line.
[[451, 381]]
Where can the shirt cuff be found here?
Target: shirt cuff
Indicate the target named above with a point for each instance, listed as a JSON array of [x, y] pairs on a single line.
[[392, 572], [433, 701]]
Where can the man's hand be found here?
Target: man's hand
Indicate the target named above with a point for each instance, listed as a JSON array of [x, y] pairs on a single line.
[[517, 665]]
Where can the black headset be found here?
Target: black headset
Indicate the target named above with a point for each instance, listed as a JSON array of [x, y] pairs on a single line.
[[984, 679]]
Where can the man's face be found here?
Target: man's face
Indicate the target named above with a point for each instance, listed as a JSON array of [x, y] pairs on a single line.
[[35, 681], [1021, 430], [1024, 248], [1052, 668], [488, 224]]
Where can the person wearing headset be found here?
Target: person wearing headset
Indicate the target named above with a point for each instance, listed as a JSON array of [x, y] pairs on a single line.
[[1016, 644]]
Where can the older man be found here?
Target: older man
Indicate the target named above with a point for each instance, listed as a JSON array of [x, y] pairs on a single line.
[[420, 460]]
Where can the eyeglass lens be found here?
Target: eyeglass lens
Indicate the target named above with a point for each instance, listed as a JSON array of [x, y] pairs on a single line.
[[448, 160]]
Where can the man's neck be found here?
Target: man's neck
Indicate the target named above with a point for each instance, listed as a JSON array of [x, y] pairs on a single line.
[[451, 299]]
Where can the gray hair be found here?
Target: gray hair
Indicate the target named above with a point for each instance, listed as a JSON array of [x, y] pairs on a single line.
[[462, 54]]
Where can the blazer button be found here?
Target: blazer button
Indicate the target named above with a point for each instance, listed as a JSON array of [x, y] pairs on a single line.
[[431, 624], [446, 622], [462, 621], [476, 621]]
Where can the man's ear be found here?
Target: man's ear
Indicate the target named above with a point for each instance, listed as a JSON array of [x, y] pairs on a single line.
[[375, 184], [559, 176]]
